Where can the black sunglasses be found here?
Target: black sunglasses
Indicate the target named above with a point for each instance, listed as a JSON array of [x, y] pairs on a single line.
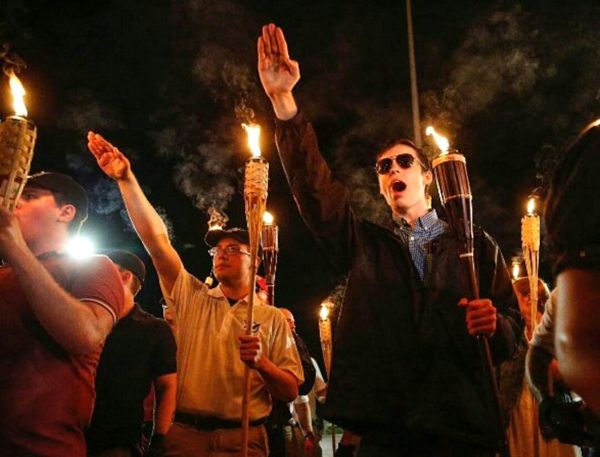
[[405, 161]]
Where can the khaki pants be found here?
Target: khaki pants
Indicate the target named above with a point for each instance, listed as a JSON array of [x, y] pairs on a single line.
[[187, 441]]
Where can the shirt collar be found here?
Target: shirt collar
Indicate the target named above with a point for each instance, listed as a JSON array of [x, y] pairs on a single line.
[[216, 292], [425, 222]]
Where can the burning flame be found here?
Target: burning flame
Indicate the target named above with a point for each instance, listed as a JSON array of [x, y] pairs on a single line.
[[442, 142], [531, 206], [324, 312], [268, 218], [18, 93], [516, 268], [253, 132]]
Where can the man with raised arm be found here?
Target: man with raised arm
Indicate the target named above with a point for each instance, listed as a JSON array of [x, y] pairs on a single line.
[[212, 345], [55, 314], [406, 373]]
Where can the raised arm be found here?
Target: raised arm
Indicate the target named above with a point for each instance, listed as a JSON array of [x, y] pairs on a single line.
[[148, 224], [323, 202]]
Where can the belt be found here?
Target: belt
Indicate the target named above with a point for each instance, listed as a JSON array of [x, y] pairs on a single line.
[[208, 423]]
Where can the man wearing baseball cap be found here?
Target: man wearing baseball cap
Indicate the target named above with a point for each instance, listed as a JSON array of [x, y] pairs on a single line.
[[139, 354], [212, 346], [56, 314]]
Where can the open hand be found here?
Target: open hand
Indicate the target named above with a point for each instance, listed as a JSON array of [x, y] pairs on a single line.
[[112, 161], [481, 316], [278, 73]]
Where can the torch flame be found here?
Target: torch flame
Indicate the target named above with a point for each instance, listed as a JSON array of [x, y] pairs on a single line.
[[531, 206], [18, 93], [253, 132], [442, 142], [516, 269], [268, 218], [324, 312]]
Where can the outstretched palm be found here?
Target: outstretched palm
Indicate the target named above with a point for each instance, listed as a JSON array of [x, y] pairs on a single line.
[[110, 160], [278, 73]]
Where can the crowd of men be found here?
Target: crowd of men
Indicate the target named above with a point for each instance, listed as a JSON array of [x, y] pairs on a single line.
[[80, 357]]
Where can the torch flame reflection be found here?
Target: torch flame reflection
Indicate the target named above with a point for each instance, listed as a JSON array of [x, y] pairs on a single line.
[[268, 218], [324, 312], [442, 142], [253, 132], [18, 93], [531, 206]]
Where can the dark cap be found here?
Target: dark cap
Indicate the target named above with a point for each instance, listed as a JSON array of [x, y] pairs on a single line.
[[129, 262], [70, 190], [213, 237], [521, 285]]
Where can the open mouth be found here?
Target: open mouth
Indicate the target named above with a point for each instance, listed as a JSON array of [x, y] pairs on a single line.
[[398, 186]]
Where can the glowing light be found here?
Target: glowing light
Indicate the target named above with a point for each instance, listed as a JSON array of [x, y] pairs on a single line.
[[324, 312], [442, 142], [531, 206], [18, 93], [253, 132], [80, 247], [516, 268], [217, 220], [268, 218]]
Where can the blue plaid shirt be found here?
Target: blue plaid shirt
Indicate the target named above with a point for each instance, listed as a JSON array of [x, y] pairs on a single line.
[[419, 238]]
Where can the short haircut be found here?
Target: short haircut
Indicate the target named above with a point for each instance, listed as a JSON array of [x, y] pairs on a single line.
[[386, 146]]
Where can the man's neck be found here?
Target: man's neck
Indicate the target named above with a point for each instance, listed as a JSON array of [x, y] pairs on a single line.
[[44, 245]]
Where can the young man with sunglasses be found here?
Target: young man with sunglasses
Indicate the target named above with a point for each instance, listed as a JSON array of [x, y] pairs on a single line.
[[406, 373], [212, 347]]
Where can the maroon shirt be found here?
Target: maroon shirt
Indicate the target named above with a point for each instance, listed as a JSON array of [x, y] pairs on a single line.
[[47, 394]]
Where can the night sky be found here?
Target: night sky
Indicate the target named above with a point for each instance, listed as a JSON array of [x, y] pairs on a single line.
[[170, 82]]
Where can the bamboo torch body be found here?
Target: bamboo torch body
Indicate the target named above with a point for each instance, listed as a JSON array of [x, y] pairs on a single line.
[[530, 240], [450, 170], [255, 196]]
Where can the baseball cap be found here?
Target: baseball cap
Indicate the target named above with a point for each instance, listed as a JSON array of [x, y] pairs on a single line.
[[129, 262], [70, 190]]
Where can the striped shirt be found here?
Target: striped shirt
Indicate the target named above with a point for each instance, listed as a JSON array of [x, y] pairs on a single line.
[[419, 238]]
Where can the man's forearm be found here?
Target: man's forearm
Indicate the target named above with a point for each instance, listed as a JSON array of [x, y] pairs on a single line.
[[71, 323], [166, 399], [281, 384], [284, 106], [538, 372], [304, 416], [147, 222]]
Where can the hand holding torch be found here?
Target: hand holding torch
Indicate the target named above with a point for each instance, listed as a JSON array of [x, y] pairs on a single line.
[[17, 141], [255, 196], [450, 171]]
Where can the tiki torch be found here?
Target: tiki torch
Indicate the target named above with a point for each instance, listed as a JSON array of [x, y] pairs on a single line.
[[450, 171], [530, 240], [326, 346], [17, 141], [270, 250], [255, 196]]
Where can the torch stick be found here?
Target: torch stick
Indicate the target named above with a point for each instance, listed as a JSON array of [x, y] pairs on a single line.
[[530, 240], [255, 197], [450, 170], [17, 141], [270, 245]]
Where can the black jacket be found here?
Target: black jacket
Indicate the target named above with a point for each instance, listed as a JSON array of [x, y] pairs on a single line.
[[402, 358]]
